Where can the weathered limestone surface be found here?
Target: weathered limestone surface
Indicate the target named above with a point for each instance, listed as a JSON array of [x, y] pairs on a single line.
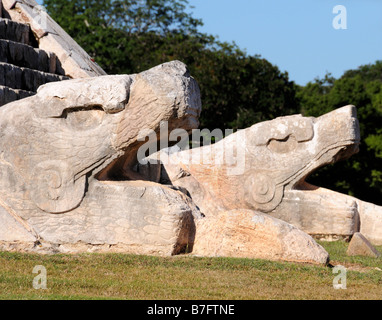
[[65, 158], [22, 55], [248, 234], [264, 168], [8, 95], [23, 66], [148, 218], [70, 178], [17, 32], [12, 229], [24, 78], [34, 50], [76, 63], [370, 217], [360, 246]]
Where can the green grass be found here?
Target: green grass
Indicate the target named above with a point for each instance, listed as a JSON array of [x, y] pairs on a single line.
[[119, 276]]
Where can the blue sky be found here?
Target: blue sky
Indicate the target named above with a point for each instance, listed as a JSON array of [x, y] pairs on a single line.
[[298, 35]]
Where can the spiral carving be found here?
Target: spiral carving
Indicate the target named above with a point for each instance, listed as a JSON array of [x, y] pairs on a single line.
[[54, 189], [261, 192], [262, 187]]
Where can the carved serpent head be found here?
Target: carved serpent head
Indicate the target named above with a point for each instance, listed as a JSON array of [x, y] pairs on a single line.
[[54, 143]]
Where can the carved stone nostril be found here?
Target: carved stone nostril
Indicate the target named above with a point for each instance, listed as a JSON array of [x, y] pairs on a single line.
[[262, 188], [52, 180]]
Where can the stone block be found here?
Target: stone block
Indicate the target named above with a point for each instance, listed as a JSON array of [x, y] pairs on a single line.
[[12, 76], [69, 153], [23, 55], [8, 95], [24, 78], [3, 28], [16, 53], [75, 61], [43, 61], [250, 234], [2, 94], [18, 32], [3, 51], [52, 62], [2, 75], [21, 94], [33, 79], [28, 80], [12, 230], [361, 246], [30, 58], [8, 4]]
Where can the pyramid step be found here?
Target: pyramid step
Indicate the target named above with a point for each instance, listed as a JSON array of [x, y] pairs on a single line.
[[8, 95], [16, 77], [18, 32], [23, 55]]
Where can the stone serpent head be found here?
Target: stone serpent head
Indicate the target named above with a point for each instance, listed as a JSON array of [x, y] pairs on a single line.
[[55, 143]]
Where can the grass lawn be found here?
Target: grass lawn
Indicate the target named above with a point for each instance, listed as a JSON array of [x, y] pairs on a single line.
[[119, 276]]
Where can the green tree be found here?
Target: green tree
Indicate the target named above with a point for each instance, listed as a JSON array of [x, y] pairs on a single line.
[[238, 90], [129, 36], [361, 175]]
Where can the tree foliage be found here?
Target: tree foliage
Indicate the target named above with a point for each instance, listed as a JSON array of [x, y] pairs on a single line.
[[361, 175], [238, 90], [129, 36]]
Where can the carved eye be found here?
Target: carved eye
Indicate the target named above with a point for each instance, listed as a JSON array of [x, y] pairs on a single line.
[[283, 146], [84, 119]]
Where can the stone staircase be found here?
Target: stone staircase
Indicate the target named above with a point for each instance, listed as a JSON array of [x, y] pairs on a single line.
[[23, 66]]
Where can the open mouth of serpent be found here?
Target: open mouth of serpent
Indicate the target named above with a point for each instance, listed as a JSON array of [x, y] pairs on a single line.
[[339, 151]]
